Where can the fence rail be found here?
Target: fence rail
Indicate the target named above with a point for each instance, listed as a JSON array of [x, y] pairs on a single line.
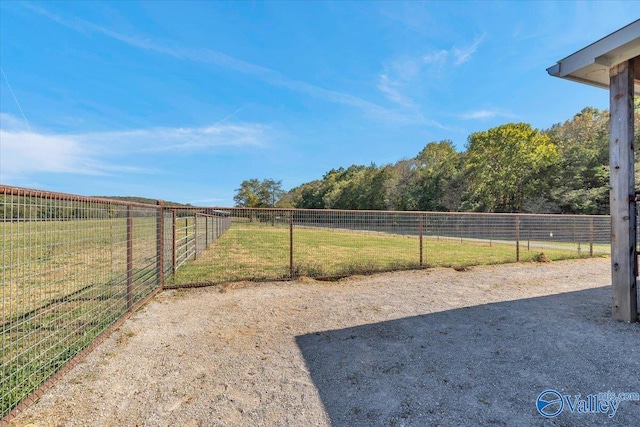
[[72, 266]]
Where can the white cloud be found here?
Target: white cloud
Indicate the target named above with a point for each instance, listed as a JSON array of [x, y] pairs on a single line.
[[485, 114], [463, 55], [403, 82], [407, 68], [9, 121], [455, 55], [436, 57], [391, 88], [25, 152], [398, 77], [162, 139]]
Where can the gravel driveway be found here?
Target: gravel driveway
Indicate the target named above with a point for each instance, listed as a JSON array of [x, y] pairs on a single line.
[[433, 347]]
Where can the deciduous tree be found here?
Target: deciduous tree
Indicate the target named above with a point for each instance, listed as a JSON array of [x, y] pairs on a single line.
[[258, 194], [507, 165]]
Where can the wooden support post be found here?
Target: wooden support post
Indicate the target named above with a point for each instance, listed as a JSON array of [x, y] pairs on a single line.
[[129, 257], [622, 194]]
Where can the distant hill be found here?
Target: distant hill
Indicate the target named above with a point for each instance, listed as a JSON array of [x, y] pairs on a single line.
[[144, 200]]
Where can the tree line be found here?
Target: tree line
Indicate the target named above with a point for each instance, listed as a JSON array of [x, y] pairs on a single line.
[[510, 168]]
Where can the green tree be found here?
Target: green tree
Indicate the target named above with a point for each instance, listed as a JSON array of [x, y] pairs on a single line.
[[438, 171], [247, 196], [371, 189], [401, 187], [506, 166], [271, 192], [339, 187], [258, 194], [581, 181], [309, 195]]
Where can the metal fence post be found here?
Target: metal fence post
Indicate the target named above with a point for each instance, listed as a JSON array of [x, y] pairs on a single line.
[[517, 238], [195, 234], [129, 257], [591, 237], [291, 244], [420, 234], [173, 241], [160, 243]]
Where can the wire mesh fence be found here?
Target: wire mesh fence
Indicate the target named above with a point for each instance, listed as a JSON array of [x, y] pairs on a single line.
[[267, 244], [72, 266]]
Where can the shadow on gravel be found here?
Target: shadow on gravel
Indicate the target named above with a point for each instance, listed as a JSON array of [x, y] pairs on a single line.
[[482, 365]]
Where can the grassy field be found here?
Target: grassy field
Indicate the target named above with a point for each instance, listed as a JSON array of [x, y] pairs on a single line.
[[45, 261], [64, 282], [259, 251]]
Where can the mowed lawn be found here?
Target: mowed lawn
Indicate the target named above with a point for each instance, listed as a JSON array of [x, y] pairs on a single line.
[[261, 251]]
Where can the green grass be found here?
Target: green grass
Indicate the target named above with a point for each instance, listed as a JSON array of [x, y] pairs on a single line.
[[259, 251], [43, 261], [36, 348], [63, 283]]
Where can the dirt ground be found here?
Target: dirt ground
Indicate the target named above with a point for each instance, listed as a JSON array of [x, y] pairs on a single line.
[[433, 347]]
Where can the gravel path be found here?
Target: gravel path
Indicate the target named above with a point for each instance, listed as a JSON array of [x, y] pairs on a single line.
[[432, 347]]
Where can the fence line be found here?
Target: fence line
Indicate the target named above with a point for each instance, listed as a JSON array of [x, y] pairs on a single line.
[[272, 244], [72, 266]]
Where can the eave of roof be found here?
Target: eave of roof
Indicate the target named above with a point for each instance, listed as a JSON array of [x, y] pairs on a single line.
[[591, 64]]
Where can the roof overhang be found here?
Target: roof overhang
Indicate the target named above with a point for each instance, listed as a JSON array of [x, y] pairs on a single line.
[[591, 65]]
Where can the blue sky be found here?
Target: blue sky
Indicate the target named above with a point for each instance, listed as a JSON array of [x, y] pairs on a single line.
[[182, 101]]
